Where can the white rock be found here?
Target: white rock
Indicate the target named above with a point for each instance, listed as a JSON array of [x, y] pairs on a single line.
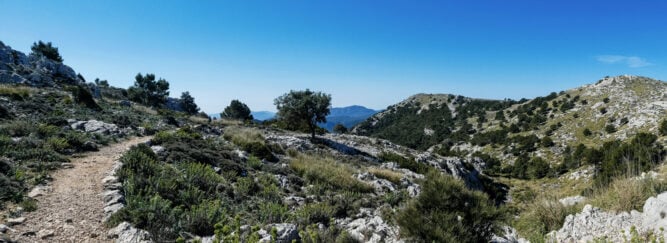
[[571, 201], [43, 234], [15, 221], [126, 233]]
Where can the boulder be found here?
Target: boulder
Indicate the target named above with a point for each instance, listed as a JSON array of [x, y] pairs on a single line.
[[286, 233], [126, 233]]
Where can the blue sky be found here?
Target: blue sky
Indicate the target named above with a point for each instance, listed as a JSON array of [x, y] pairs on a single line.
[[371, 53]]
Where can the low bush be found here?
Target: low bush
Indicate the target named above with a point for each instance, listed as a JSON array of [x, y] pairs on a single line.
[[446, 211], [403, 162]]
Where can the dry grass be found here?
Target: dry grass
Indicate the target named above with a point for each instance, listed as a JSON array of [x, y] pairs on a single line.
[[228, 122], [390, 175], [328, 172], [14, 91], [243, 135], [144, 109], [627, 194], [542, 216]]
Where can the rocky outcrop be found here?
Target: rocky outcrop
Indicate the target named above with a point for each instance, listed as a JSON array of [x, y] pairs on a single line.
[[285, 233], [369, 226], [595, 224], [95, 126], [34, 70]]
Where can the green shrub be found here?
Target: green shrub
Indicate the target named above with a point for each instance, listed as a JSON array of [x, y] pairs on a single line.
[[610, 128], [403, 162], [57, 144], [663, 127], [271, 212], [47, 50], [254, 162], [314, 213], [201, 219], [447, 211], [17, 128], [83, 96], [587, 132]]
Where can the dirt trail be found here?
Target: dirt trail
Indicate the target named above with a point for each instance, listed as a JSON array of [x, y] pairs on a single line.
[[74, 209]]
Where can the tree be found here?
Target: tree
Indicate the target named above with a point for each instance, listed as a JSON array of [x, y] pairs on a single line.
[[447, 211], [299, 109], [47, 50], [188, 103], [148, 91], [237, 110], [340, 128]]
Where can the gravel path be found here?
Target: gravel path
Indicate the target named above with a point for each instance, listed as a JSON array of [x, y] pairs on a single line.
[[71, 210]]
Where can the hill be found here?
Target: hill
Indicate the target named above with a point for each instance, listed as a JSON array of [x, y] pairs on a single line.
[[579, 143], [347, 116]]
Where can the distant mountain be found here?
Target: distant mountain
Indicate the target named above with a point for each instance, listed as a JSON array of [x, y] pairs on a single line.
[[349, 116], [258, 115], [263, 115]]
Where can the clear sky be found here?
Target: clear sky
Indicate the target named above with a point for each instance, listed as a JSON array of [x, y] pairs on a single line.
[[371, 53]]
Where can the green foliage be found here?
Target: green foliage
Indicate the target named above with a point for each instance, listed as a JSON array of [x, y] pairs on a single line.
[[340, 128], [610, 128], [630, 159], [83, 96], [188, 103], [237, 110], [547, 142], [299, 109], [663, 128], [271, 212], [447, 211], [47, 50], [525, 168], [148, 91], [403, 162], [314, 213], [587, 132]]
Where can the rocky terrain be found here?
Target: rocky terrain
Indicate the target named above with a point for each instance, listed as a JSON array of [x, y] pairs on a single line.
[[595, 224], [82, 162], [34, 70]]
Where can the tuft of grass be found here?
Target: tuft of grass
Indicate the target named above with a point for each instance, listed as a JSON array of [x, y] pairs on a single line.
[[390, 175], [626, 194], [14, 92], [328, 172], [542, 216], [243, 135]]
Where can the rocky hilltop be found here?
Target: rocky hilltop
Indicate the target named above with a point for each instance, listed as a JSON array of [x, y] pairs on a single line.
[[34, 70]]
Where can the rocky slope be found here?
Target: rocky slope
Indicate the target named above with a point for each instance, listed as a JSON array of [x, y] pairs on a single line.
[[34, 70], [594, 224]]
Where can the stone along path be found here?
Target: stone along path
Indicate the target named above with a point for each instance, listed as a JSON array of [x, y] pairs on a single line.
[[72, 208]]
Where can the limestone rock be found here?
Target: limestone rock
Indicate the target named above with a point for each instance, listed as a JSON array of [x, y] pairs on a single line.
[[15, 221], [43, 234], [126, 233], [571, 201]]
